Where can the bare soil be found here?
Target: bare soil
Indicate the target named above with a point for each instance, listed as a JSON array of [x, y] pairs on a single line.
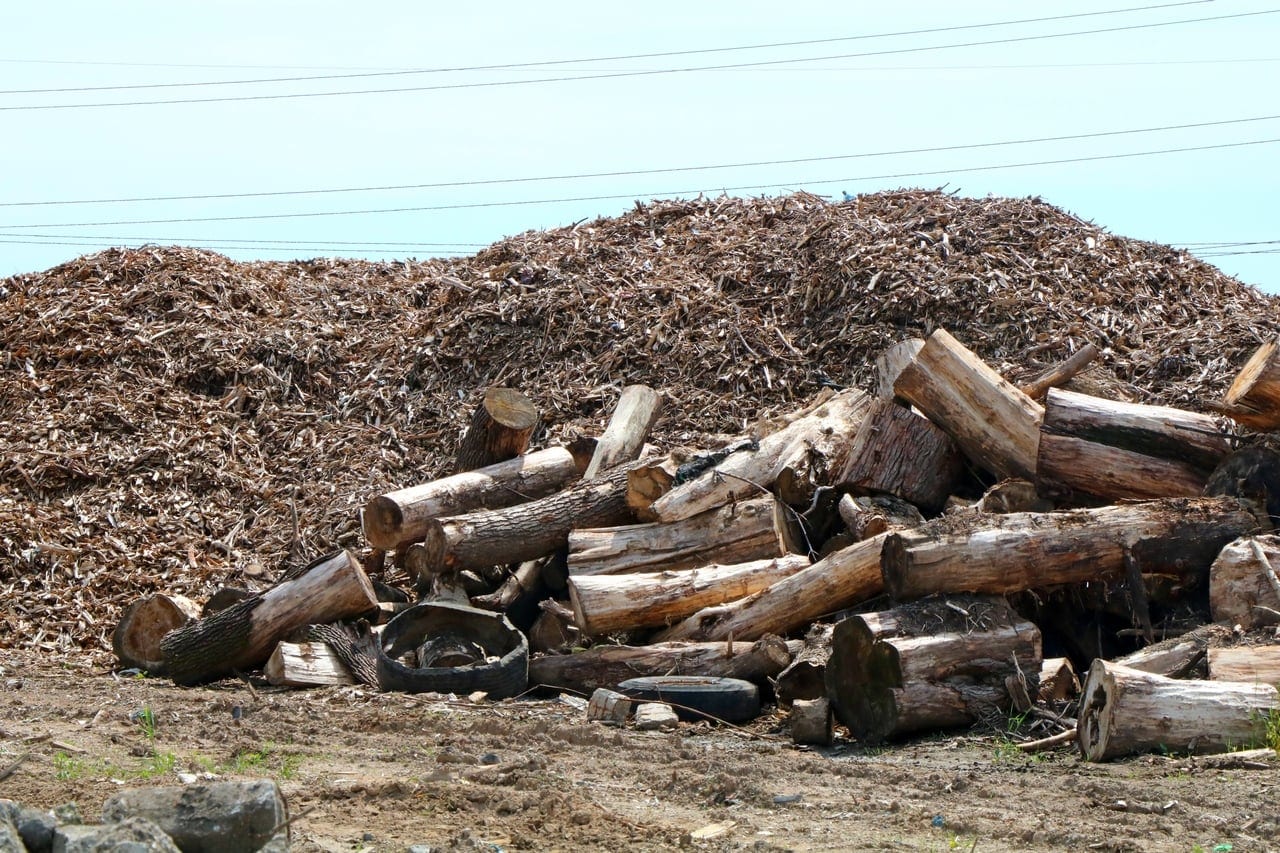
[[367, 771]]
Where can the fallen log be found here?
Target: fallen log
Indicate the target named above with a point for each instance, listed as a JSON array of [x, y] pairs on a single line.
[[1244, 588], [145, 622], [1125, 711], [900, 453], [1255, 664], [243, 636], [396, 518], [890, 364], [1060, 374], [603, 604], [1020, 551], [646, 483], [608, 666], [624, 437], [868, 516], [995, 424], [1183, 656], [306, 665], [500, 429], [805, 677], [1254, 396], [1009, 496]]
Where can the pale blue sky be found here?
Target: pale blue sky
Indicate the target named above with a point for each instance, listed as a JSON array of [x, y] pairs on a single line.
[[912, 98]]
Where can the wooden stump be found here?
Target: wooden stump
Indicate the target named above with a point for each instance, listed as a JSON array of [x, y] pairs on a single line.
[[811, 721], [136, 639], [1254, 396], [501, 427]]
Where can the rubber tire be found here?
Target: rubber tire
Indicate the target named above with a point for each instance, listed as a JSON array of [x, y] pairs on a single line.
[[729, 699], [503, 678]]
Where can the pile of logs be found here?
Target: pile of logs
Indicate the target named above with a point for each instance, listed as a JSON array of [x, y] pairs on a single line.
[[898, 562]]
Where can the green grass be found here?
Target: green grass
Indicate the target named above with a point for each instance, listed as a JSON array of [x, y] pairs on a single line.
[[266, 759]]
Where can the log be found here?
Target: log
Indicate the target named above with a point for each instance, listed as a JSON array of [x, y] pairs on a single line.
[[995, 424], [608, 666], [738, 533], [145, 622], [1009, 496], [1254, 396], [623, 438], [1061, 373], [603, 604], [552, 630], [306, 665], [500, 429], [1058, 681], [1003, 554], [944, 666], [1183, 656], [1091, 448], [843, 579], [891, 363], [1243, 585], [811, 721], [525, 583], [1125, 711], [898, 452], [805, 676], [1247, 663], [243, 636], [868, 516], [647, 483], [397, 518], [817, 443]]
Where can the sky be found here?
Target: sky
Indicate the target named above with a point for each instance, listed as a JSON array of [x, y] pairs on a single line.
[[432, 129]]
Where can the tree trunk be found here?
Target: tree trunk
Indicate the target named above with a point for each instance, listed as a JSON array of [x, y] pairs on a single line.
[[623, 438], [1243, 585], [306, 665], [243, 635], [603, 604], [843, 579], [1020, 551], [397, 518], [897, 452], [501, 427], [817, 444], [1125, 711], [145, 622], [805, 676], [607, 666], [995, 424], [891, 363], [1247, 663], [1254, 397], [1058, 680], [647, 483], [1177, 657], [1060, 374]]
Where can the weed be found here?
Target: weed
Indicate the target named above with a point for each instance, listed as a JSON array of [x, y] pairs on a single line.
[[146, 718], [1271, 729], [66, 768], [159, 764]]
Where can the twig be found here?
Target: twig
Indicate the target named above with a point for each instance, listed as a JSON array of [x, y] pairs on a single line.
[[289, 820], [1048, 742], [12, 768]]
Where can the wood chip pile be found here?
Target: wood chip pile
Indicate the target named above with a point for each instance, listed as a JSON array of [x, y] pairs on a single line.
[[172, 420]]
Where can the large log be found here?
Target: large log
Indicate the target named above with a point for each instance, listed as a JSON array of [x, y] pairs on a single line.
[[898, 452], [1254, 664], [817, 444], [1244, 588], [396, 518], [1254, 396], [1091, 448], [843, 579], [606, 603], [625, 435], [243, 636], [1010, 553], [995, 424], [500, 429], [1125, 711], [608, 666], [145, 622]]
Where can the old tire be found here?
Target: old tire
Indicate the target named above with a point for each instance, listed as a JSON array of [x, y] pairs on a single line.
[[698, 697], [463, 625]]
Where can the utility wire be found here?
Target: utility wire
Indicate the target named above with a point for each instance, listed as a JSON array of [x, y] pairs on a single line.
[[622, 74], [215, 240], [634, 172], [108, 245]]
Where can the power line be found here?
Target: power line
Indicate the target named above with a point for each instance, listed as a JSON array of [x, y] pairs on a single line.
[[616, 58], [34, 238], [1228, 244], [629, 196], [635, 172], [622, 74], [92, 244]]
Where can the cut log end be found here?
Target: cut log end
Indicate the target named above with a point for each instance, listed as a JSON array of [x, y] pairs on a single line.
[[145, 622]]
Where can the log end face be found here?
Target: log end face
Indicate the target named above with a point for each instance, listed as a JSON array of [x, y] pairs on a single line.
[[1093, 727], [511, 408], [383, 521]]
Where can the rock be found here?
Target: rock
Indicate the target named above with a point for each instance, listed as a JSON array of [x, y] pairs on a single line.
[[608, 706], [10, 840], [220, 817], [34, 828], [651, 716], [134, 835]]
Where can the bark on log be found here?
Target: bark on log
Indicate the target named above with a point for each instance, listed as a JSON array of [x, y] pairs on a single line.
[[869, 516], [1243, 585], [1060, 374], [647, 483], [306, 665], [1125, 711], [607, 666], [1009, 496], [1250, 664], [738, 533], [243, 635], [891, 363], [136, 639], [805, 676], [1183, 656], [843, 579], [500, 429], [1091, 448], [898, 452], [396, 518], [603, 604], [623, 438], [995, 424], [1254, 396], [817, 444], [1020, 551]]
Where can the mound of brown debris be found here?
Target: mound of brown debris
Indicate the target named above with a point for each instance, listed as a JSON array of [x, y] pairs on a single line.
[[174, 420]]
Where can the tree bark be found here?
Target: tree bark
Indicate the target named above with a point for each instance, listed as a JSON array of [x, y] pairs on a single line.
[[891, 363], [243, 635], [897, 452], [607, 666], [816, 444], [1020, 551], [603, 604], [995, 424], [1254, 396], [306, 665], [1009, 496], [1125, 711], [1243, 585], [1060, 374], [623, 438], [805, 676], [397, 518], [500, 429], [843, 579], [145, 622], [1247, 663]]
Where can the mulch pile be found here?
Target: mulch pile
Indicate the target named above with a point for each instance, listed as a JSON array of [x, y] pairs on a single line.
[[171, 420]]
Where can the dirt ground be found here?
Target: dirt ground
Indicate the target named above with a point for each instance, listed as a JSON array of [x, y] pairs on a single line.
[[364, 771]]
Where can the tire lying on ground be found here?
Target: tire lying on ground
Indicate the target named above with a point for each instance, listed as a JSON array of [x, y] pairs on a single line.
[[698, 697], [501, 653]]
